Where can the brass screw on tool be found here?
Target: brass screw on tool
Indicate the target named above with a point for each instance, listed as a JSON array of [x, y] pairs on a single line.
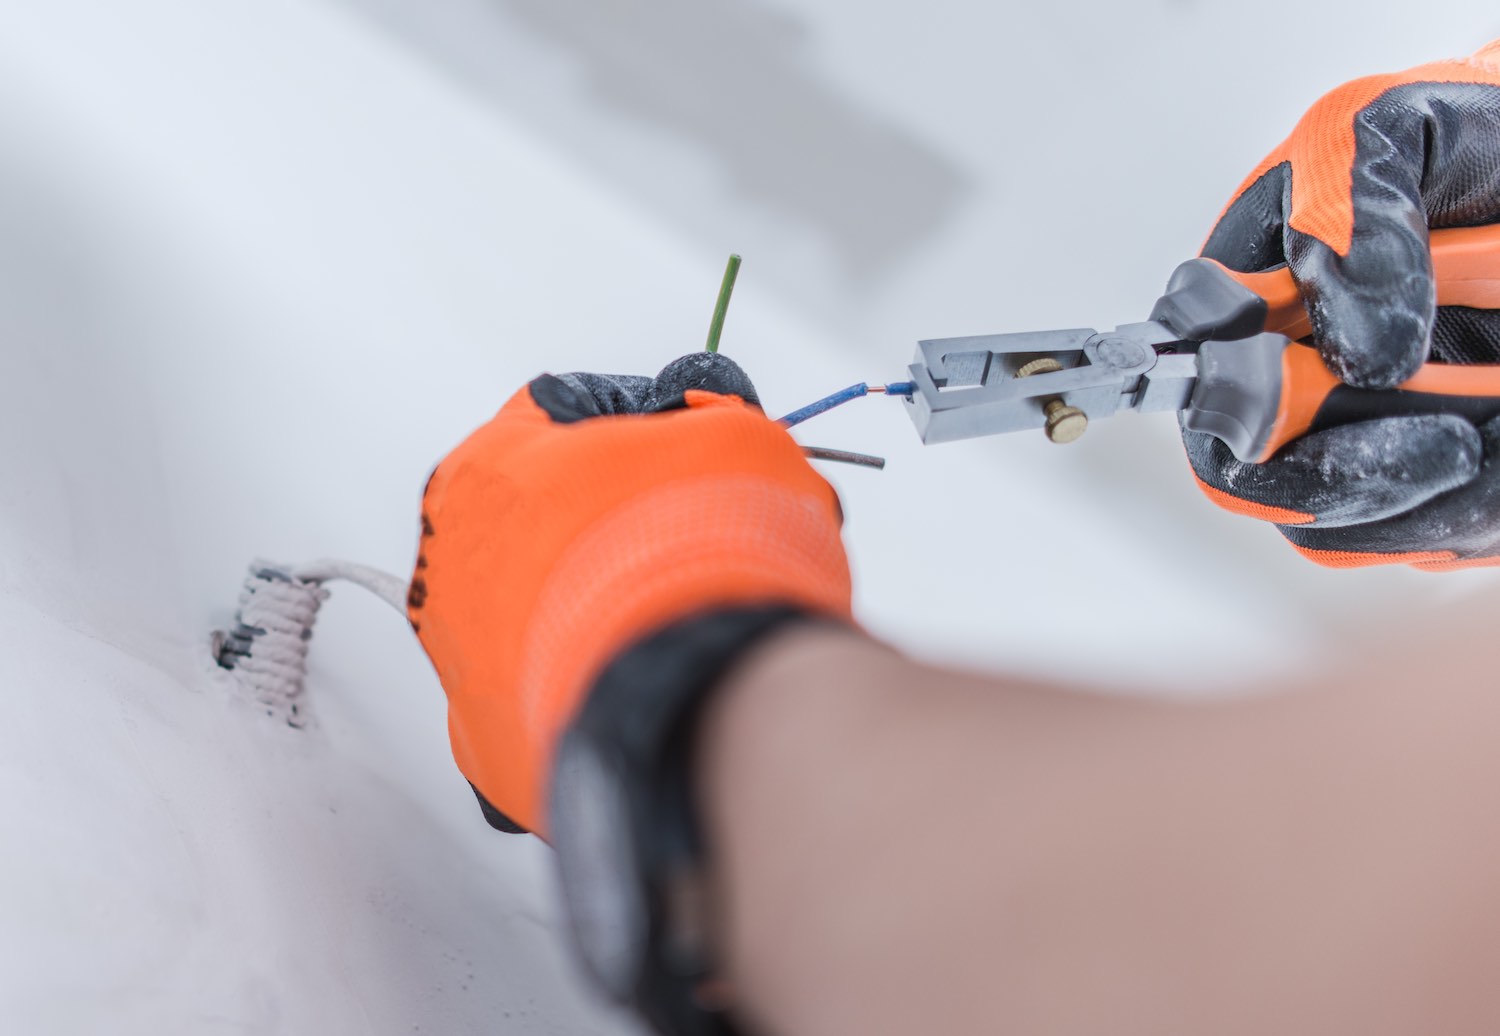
[[1064, 423]]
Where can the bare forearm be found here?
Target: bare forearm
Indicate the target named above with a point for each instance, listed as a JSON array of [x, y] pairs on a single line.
[[900, 849]]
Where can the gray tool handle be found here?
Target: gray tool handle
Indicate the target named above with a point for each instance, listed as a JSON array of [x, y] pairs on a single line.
[[1238, 394]]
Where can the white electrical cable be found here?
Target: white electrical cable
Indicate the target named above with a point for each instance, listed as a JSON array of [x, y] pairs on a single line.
[[390, 589], [267, 648]]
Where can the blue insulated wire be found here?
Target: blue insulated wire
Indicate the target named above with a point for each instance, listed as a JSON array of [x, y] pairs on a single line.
[[825, 404], [895, 388]]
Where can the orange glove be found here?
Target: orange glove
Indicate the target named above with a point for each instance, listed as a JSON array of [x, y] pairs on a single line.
[[1346, 203], [589, 514]]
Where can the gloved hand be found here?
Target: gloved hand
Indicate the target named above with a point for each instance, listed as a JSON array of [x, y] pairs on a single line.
[[590, 513], [1346, 202]]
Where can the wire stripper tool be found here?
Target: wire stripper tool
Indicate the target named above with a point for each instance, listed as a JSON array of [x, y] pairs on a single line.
[[1221, 347]]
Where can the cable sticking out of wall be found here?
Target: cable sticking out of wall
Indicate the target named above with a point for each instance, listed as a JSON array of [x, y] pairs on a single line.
[[266, 648]]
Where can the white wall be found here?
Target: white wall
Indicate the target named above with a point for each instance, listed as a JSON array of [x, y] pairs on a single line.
[[262, 263]]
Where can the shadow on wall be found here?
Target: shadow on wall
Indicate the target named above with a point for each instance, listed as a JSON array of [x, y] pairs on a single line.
[[732, 81]]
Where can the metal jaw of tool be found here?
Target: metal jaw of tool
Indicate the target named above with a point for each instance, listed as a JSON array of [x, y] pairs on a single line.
[[1059, 381], [981, 385]]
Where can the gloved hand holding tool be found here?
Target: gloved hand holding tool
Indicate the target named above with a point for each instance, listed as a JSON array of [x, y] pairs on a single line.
[[1346, 203], [1361, 452]]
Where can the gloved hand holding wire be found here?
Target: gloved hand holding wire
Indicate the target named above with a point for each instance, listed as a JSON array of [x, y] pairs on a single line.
[[1347, 202], [593, 512]]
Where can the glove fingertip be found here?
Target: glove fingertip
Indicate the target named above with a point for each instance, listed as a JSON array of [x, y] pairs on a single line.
[[1249, 234], [1372, 347], [1347, 475], [709, 372], [1454, 444], [1373, 309], [1383, 468], [562, 400]]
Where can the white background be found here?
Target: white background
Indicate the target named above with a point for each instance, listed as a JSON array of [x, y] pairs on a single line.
[[261, 264]]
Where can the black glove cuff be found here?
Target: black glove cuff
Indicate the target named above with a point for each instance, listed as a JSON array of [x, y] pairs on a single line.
[[635, 739]]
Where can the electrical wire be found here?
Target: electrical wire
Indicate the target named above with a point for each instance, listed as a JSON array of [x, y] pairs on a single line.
[[266, 648], [842, 396]]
